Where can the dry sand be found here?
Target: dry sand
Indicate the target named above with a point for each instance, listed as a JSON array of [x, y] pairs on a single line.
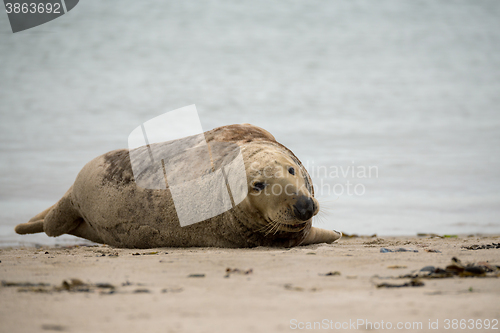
[[284, 290]]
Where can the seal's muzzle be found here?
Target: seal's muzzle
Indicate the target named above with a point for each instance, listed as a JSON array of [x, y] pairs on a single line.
[[304, 208]]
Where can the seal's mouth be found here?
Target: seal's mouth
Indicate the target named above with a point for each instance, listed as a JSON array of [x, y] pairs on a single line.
[[295, 227], [274, 227]]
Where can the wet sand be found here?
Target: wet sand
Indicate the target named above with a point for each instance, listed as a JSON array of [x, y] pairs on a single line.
[[266, 289]]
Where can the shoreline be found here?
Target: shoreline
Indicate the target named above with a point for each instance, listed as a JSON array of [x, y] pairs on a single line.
[[66, 240], [244, 290]]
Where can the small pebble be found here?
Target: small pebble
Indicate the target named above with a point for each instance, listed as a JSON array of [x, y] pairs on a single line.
[[105, 285], [51, 327], [289, 286], [401, 249], [428, 269], [196, 275], [172, 290], [141, 291], [432, 251]]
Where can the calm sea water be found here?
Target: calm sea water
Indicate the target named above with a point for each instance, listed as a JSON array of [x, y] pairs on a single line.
[[408, 90]]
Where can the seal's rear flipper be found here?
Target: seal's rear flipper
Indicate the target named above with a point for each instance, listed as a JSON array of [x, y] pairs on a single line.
[[317, 235], [34, 225], [41, 216], [30, 227]]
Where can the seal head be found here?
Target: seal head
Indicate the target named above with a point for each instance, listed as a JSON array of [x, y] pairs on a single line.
[[279, 189]]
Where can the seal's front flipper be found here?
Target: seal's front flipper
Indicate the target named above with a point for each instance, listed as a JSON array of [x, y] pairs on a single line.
[[317, 235], [30, 227]]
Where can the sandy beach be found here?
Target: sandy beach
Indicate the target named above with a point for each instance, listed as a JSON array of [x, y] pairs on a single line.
[[391, 106], [325, 287]]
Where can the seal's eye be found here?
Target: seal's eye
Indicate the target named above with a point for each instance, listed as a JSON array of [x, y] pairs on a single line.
[[291, 171], [259, 186]]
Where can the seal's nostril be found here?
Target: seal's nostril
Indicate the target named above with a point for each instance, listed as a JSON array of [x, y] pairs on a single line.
[[304, 208]]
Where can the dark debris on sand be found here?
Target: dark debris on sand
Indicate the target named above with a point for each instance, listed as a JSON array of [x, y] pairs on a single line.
[[482, 247], [457, 268], [73, 285], [412, 283], [230, 271]]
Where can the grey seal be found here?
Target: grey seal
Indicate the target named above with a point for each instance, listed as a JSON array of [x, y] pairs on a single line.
[[105, 205]]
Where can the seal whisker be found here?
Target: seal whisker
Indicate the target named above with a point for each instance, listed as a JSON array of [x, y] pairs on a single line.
[[325, 203], [277, 227], [324, 213], [320, 218], [267, 227], [272, 227]]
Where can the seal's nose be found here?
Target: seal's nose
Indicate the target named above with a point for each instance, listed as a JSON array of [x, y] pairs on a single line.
[[304, 208]]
